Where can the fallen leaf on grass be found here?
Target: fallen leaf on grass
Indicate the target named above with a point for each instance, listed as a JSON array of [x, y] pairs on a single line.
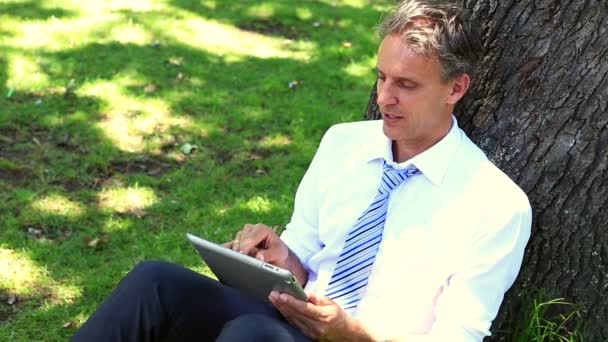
[[177, 61], [56, 90], [179, 158], [138, 212], [70, 325], [150, 88], [34, 232], [97, 243], [12, 299], [178, 79], [347, 44], [112, 183], [70, 89], [94, 243], [155, 171], [188, 148]]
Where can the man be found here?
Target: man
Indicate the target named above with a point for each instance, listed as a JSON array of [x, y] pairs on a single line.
[[402, 229]]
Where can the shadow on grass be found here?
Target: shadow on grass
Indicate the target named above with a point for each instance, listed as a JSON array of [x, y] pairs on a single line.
[[32, 10], [301, 21]]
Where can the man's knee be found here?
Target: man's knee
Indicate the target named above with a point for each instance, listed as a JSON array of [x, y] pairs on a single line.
[[150, 273]]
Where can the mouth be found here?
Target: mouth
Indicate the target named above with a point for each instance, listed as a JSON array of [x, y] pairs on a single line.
[[391, 117]]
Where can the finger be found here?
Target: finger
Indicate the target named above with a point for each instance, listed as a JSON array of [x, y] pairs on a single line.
[[247, 227], [306, 325], [318, 299], [228, 244], [294, 317], [264, 230], [236, 243], [302, 308], [253, 238]]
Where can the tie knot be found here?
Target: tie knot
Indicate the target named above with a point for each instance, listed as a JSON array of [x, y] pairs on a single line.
[[391, 177]]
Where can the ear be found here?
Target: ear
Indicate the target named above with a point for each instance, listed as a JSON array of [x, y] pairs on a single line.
[[459, 87]]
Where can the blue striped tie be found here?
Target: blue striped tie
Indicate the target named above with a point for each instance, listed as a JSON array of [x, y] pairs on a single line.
[[349, 279]]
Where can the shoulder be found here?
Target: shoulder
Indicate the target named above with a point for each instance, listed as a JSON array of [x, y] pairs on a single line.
[[487, 184], [356, 130], [352, 136]]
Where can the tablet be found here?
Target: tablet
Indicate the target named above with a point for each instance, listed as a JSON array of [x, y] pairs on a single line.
[[248, 274]]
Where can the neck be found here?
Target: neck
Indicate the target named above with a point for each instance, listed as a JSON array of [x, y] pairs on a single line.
[[404, 150]]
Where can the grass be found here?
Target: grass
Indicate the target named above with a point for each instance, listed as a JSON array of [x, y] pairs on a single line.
[[98, 101], [547, 320]]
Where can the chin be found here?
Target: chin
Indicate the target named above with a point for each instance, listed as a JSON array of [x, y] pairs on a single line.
[[392, 133]]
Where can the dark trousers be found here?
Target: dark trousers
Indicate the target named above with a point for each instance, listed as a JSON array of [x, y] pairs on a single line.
[[160, 301]]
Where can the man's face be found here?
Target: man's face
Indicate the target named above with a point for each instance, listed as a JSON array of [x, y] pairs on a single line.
[[416, 105]]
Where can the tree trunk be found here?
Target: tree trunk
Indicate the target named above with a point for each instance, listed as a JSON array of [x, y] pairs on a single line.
[[538, 109]]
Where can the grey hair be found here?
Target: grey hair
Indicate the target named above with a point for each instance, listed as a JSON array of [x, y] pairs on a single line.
[[436, 28]]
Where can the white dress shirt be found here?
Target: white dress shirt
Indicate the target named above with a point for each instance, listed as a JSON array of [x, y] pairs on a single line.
[[453, 240]]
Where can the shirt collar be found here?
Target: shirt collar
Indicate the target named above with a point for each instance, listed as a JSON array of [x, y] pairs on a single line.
[[433, 162]]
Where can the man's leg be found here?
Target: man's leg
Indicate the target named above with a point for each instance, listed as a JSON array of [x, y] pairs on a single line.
[[160, 301], [260, 328]]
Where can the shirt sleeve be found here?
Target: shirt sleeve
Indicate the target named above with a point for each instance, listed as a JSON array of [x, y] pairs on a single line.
[[471, 298], [302, 232]]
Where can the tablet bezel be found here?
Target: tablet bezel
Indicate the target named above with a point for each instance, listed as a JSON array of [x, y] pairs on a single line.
[[246, 273]]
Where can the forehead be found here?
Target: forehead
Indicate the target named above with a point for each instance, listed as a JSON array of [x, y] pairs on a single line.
[[396, 59]]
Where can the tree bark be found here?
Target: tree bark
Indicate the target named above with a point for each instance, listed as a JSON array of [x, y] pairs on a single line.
[[538, 109]]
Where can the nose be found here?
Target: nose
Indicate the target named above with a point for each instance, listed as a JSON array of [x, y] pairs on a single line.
[[385, 94]]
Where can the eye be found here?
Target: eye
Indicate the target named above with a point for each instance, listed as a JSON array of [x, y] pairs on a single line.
[[407, 85]]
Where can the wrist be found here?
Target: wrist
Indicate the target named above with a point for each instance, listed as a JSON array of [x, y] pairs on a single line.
[[348, 329], [295, 266], [357, 331]]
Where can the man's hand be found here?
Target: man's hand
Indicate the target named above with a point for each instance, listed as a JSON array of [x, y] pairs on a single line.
[[320, 318], [263, 243]]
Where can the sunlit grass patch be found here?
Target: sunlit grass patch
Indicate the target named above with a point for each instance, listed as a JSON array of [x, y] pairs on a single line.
[[361, 69], [127, 200], [24, 72], [278, 140], [127, 118], [221, 39], [56, 204], [258, 204], [21, 277], [18, 273], [261, 10], [131, 33]]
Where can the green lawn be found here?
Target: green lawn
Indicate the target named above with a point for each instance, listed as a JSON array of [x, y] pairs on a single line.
[[126, 124]]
